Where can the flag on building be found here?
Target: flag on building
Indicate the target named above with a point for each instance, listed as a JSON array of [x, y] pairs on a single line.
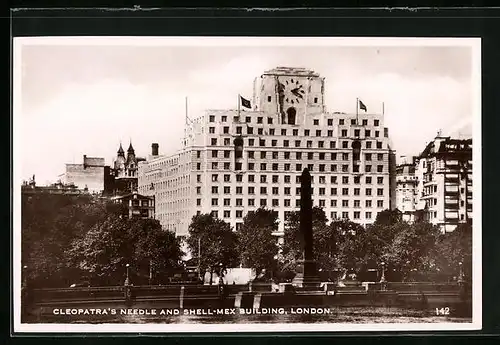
[[362, 106], [245, 102]]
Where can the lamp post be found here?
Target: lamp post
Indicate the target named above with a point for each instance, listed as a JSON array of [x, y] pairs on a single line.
[[25, 278], [150, 272], [382, 277], [461, 273], [127, 280], [199, 258]]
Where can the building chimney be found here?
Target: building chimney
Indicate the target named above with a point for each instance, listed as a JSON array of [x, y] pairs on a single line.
[[154, 149]]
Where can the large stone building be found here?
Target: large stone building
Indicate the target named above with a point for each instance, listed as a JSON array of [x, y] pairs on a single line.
[[124, 172], [444, 173], [407, 200], [236, 161], [90, 175]]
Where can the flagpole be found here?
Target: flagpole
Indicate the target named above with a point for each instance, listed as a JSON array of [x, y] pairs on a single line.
[[357, 108], [239, 100], [186, 110], [383, 108]]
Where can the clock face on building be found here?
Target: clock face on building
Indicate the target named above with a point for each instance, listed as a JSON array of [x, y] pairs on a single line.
[[291, 90]]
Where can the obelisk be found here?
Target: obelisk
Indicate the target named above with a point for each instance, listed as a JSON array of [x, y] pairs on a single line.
[[307, 276]]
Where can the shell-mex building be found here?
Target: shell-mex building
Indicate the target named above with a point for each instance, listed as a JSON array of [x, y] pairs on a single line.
[[236, 160]]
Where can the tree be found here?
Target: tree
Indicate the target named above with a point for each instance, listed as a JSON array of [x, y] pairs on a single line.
[[414, 248], [455, 247], [389, 217], [216, 241], [257, 245], [351, 244]]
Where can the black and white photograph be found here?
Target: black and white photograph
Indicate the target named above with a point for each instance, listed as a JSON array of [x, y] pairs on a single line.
[[255, 184]]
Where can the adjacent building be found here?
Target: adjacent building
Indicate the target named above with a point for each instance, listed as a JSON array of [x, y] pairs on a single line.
[[407, 200], [137, 206], [235, 161], [89, 175], [124, 172]]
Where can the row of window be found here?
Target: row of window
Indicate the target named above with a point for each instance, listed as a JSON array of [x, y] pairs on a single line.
[[298, 155], [297, 143], [287, 203], [288, 178], [295, 132], [270, 120], [287, 191], [298, 167]]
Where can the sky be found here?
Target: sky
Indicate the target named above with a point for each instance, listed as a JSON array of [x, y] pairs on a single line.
[[86, 98]]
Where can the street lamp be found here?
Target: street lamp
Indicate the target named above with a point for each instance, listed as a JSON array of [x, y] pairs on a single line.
[[25, 273], [461, 273], [382, 277], [127, 280]]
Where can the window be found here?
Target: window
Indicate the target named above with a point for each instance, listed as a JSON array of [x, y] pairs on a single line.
[[368, 180], [251, 190], [263, 178], [249, 130], [215, 177], [298, 167], [367, 133], [380, 203], [356, 132], [239, 202], [309, 144], [329, 133], [322, 191], [262, 154], [345, 144], [287, 167], [365, 122], [286, 143], [224, 118], [213, 141], [368, 168], [355, 168], [322, 203], [298, 155], [310, 167], [345, 168], [263, 166], [333, 203], [353, 121], [227, 154], [298, 179], [274, 142], [318, 132], [269, 119], [345, 203], [259, 119], [198, 202], [269, 98], [287, 155], [344, 133], [271, 131], [263, 190], [297, 143], [283, 131], [260, 131], [368, 215], [380, 180], [287, 202], [227, 190], [198, 178], [275, 166], [345, 215], [380, 168], [198, 190], [198, 166], [341, 122], [214, 153], [295, 132], [356, 214], [287, 190], [251, 142], [239, 190], [211, 130], [330, 122], [275, 190], [238, 130], [297, 191], [321, 144], [275, 178], [380, 156], [380, 191], [227, 214], [345, 191], [321, 167], [211, 118], [251, 178], [306, 132], [215, 190], [297, 202], [275, 202], [239, 213], [251, 166], [227, 202], [333, 179], [368, 156], [287, 178], [310, 155], [251, 202], [333, 144], [377, 134], [345, 179], [227, 141], [263, 202], [345, 156], [356, 191], [215, 202], [322, 156], [376, 122], [198, 154], [262, 142], [214, 214], [274, 154], [368, 203], [368, 144]]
